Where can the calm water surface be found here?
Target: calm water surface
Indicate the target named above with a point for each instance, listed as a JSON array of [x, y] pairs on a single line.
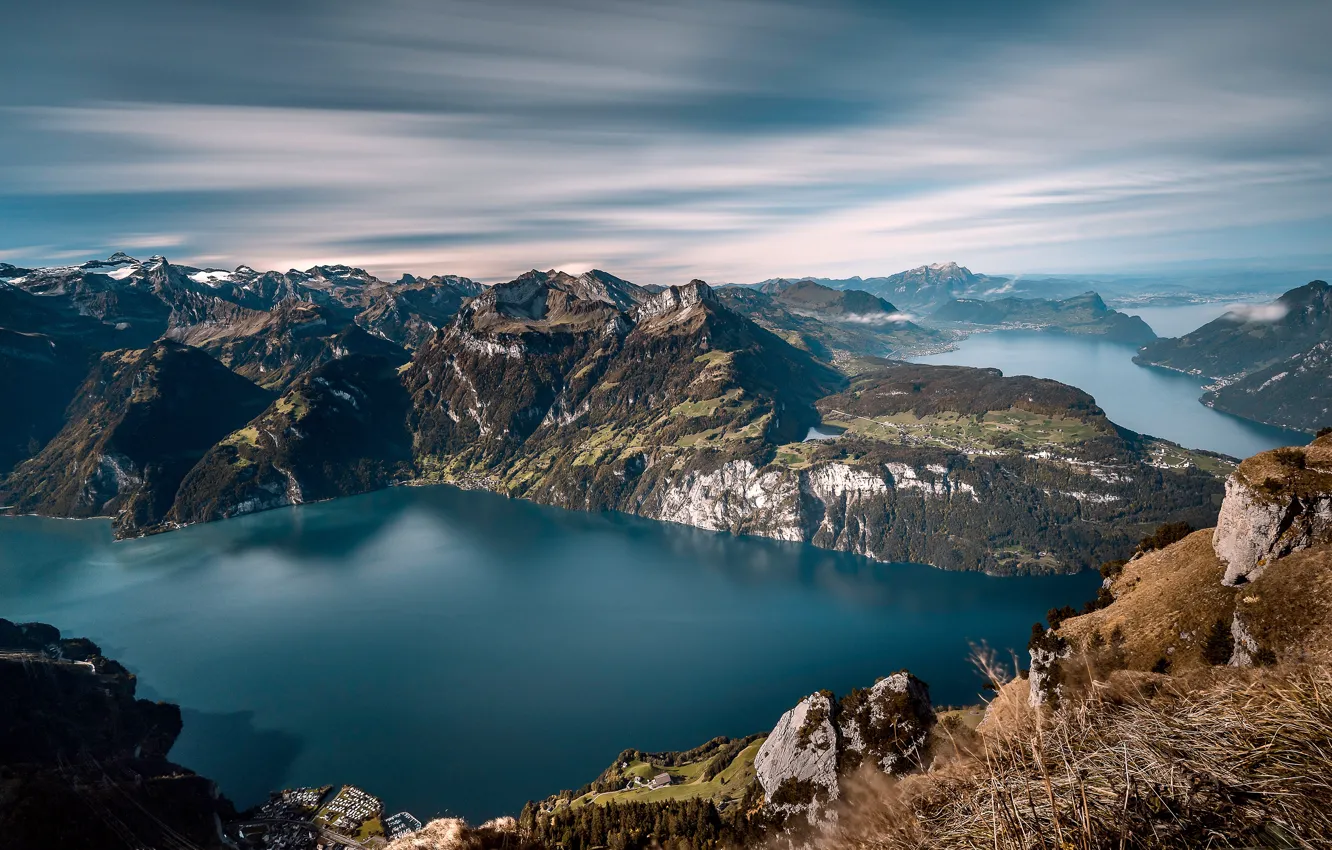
[[1180, 319], [461, 651], [1148, 400]]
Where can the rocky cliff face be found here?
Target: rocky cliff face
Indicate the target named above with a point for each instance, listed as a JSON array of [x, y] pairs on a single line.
[[82, 761], [1276, 503], [797, 764], [816, 746]]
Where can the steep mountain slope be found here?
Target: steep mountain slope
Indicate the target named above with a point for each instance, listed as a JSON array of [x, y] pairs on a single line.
[[1295, 393], [273, 348], [341, 429], [1245, 341], [1085, 314], [529, 359], [1269, 363], [140, 420]]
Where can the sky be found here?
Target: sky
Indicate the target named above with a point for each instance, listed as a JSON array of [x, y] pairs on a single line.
[[731, 140]]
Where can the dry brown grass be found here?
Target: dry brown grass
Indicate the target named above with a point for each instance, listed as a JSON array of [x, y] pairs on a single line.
[[455, 834], [1301, 472], [1288, 609], [1165, 604], [1221, 758]]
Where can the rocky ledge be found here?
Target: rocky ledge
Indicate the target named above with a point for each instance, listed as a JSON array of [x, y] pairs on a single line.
[[1276, 503], [822, 742]]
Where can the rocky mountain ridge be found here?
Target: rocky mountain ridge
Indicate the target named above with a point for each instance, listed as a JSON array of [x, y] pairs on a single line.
[[592, 393]]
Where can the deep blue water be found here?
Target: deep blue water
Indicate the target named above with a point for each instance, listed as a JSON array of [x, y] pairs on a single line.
[[1145, 399], [462, 651]]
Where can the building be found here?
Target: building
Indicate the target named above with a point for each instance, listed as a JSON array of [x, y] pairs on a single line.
[[661, 780]]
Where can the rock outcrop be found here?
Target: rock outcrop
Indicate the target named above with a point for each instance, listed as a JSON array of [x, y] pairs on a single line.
[[817, 745], [1276, 503], [885, 726], [797, 764]]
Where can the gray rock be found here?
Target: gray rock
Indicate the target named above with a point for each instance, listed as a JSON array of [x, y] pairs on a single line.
[[1246, 645], [1255, 529], [797, 764], [886, 725]]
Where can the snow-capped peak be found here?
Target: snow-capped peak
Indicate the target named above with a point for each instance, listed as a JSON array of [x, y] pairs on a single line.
[[211, 277]]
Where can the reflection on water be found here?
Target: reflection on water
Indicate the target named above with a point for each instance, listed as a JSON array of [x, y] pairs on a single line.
[[421, 642]]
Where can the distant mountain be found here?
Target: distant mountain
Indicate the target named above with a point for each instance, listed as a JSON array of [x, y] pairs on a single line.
[[1268, 362], [1085, 314], [1249, 339], [144, 300], [276, 347], [835, 325], [921, 288]]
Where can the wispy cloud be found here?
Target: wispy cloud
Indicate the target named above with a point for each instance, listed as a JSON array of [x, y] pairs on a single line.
[[1274, 312], [731, 140]]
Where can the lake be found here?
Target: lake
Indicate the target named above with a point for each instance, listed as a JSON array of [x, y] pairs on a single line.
[[463, 652], [1145, 399]]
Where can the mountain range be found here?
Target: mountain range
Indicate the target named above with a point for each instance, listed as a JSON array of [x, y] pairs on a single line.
[[168, 395]]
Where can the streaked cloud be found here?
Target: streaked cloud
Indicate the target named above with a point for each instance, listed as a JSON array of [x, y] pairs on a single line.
[[729, 140]]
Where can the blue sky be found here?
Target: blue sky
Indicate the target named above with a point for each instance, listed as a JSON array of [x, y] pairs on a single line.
[[724, 139]]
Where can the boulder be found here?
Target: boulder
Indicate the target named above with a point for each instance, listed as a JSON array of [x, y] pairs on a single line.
[[1276, 503], [886, 725], [797, 764]]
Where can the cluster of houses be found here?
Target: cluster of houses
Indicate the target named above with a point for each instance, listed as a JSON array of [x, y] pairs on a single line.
[[661, 780], [351, 808]]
